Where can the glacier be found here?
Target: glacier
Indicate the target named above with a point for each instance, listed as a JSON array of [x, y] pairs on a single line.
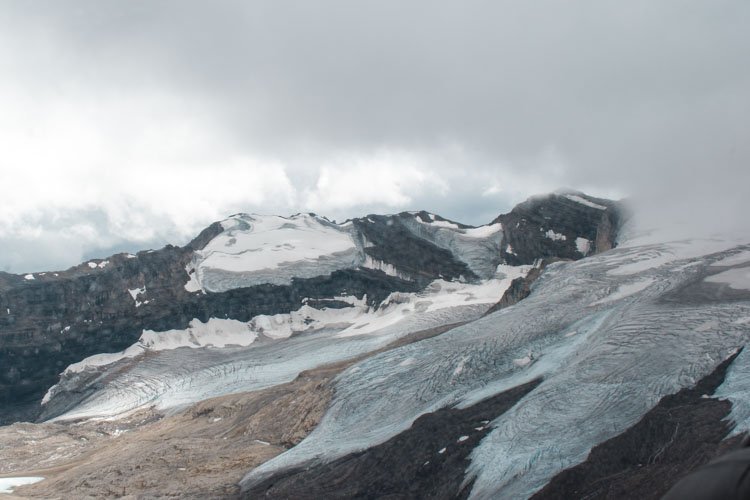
[[168, 370], [608, 335]]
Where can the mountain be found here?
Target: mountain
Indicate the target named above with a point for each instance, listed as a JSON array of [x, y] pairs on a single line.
[[256, 266], [546, 353]]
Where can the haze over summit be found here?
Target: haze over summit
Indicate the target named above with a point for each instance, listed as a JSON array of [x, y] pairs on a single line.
[[130, 125]]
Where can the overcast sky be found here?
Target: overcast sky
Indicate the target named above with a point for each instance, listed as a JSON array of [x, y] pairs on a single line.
[[126, 125]]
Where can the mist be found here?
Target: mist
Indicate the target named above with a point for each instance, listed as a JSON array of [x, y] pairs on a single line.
[[127, 125]]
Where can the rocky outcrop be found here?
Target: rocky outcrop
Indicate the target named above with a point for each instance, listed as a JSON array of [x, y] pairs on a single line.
[[428, 460], [520, 288], [567, 225]]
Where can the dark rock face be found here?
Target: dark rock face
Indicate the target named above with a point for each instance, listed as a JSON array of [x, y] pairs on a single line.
[[526, 227], [520, 288], [409, 465], [60, 318], [395, 244], [684, 431]]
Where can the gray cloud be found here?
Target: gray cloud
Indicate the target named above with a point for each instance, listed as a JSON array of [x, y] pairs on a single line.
[[497, 99]]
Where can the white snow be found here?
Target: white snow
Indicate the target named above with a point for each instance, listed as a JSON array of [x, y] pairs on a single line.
[[103, 264], [625, 290], [459, 369], [583, 245], [101, 360], [462, 439], [442, 450], [509, 249], [483, 231], [135, 292], [255, 249], [737, 278], [387, 268], [584, 201], [272, 241], [8, 483], [92, 265], [639, 254], [555, 236], [193, 284], [524, 361], [214, 333], [29, 277], [471, 232], [735, 259], [444, 223], [438, 295]]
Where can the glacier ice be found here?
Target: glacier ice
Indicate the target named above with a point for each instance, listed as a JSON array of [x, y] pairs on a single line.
[[603, 334], [159, 371], [256, 249]]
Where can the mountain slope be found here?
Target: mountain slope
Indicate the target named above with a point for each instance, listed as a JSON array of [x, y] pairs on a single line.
[[240, 269]]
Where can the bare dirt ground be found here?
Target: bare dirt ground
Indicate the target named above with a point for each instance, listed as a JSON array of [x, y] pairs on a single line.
[[202, 452]]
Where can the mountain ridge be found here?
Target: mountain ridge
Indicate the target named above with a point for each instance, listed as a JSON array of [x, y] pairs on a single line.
[[103, 305]]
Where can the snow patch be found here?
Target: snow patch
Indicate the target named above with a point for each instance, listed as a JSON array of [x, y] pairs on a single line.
[[735, 259], [625, 291], [524, 361], [483, 231], [29, 277], [555, 236], [256, 249], [135, 292], [460, 368], [737, 278], [444, 223], [8, 483], [385, 267], [193, 284], [584, 201], [214, 333], [583, 245], [272, 241]]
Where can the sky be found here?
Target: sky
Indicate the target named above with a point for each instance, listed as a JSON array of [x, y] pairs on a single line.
[[126, 125]]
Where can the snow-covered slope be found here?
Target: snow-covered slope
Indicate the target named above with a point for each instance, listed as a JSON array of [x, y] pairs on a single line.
[[255, 249], [228, 356]]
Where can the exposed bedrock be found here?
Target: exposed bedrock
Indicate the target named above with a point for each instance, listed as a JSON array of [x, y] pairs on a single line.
[[681, 433], [564, 225], [428, 460]]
